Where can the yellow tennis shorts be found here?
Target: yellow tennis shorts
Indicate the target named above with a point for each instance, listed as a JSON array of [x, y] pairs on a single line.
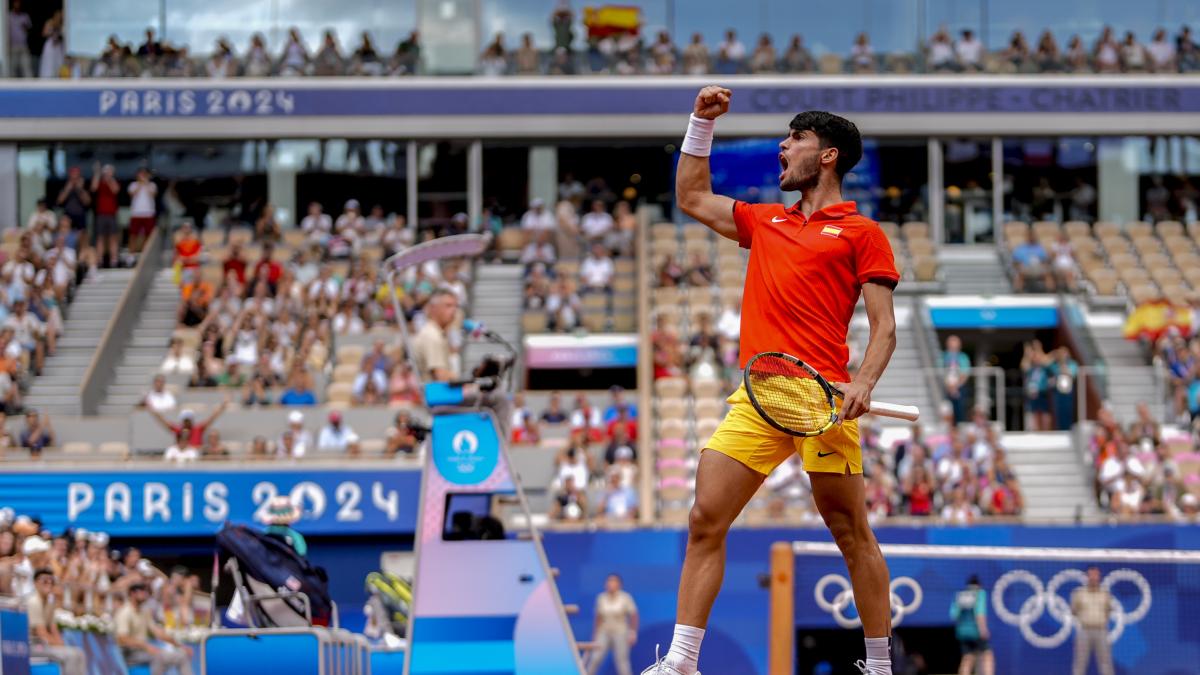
[[745, 436]]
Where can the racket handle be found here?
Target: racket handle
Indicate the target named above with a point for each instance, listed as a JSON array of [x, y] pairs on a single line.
[[900, 412]]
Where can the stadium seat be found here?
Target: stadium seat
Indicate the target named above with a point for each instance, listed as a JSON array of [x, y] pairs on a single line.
[[345, 372], [830, 64], [1045, 229], [925, 268], [1105, 281], [915, 229], [705, 429], [595, 322], [665, 247], [891, 229], [511, 241], [1104, 229], [672, 428], [534, 322], [1139, 229], [350, 354], [709, 407], [708, 389], [114, 448], [672, 408], [77, 448], [700, 296], [1077, 228], [674, 493], [1169, 228], [624, 323], [667, 296], [340, 392], [920, 247], [663, 230], [670, 386]]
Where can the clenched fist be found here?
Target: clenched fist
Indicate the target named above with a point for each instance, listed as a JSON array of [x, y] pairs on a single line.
[[712, 102]]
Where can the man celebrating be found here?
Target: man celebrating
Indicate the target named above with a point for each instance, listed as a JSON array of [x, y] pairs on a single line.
[[808, 265]]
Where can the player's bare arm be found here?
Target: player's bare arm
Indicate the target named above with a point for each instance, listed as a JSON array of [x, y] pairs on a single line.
[[882, 319], [693, 179]]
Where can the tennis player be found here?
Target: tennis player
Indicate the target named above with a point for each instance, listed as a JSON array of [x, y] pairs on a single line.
[[808, 265]]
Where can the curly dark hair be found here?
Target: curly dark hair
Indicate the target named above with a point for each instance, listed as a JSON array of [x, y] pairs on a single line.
[[834, 131]]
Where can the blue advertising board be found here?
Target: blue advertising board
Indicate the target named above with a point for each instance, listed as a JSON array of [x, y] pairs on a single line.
[[195, 502], [180, 98], [1153, 642], [14, 642]]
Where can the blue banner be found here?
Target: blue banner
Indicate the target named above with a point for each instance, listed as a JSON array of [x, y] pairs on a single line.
[[1154, 642], [994, 317], [195, 502], [614, 97], [14, 642]]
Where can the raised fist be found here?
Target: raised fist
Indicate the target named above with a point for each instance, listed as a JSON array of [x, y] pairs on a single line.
[[712, 102]]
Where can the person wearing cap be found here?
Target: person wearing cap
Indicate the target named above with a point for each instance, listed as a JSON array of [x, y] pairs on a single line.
[[968, 611], [187, 423], [300, 440], [537, 217], [280, 515], [1189, 509], [35, 554], [136, 626], [45, 640], [337, 436]]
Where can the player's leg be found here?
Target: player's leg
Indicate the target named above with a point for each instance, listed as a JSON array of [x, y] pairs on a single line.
[[1104, 664], [841, 500], [834, 464], [723, 487]]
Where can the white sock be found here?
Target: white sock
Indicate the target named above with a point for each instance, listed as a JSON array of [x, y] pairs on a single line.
[[685, 648], [879, 655]]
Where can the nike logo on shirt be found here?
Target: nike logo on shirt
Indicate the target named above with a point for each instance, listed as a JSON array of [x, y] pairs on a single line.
[[825, 454], [777, 219]]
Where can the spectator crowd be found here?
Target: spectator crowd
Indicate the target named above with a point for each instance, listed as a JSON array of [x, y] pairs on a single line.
[[621, 50], [76, 581], [958, 475], [1143, 469], [578, 259]]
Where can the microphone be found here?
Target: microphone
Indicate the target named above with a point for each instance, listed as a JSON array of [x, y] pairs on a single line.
[[477, 329]]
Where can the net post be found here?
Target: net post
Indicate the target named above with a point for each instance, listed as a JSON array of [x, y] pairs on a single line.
[[782, 626]]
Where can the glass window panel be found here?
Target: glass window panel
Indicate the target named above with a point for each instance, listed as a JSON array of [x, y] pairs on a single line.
[[514, 18], [1086, 18], [954, 15], [968, 191], [891, 26], [90, 23], [441, 182], [1050, 179]]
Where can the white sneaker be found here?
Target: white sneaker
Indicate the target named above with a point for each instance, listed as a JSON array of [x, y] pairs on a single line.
[[661, 667], [866, 670]]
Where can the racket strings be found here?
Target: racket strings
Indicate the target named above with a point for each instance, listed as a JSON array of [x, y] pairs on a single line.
[[789, 395]]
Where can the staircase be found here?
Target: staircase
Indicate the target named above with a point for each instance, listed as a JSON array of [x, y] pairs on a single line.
[[145, 350], [1052, 479], [1130, 380], [496, 303], [904, 380], [56, 390], [973, 270]]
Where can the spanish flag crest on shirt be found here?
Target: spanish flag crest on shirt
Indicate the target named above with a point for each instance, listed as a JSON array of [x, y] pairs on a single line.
[[831, 230]]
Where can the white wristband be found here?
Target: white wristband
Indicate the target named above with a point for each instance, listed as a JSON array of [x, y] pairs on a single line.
[[698, 140]]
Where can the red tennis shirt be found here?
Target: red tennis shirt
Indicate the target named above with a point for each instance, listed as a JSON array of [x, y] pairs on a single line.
[[804, 279]]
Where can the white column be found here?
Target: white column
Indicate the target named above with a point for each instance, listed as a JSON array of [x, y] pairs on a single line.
[[543, 174], [475, 180], [410, 171], [1117, 179], [936, 180], [997, 186], [9, 210]]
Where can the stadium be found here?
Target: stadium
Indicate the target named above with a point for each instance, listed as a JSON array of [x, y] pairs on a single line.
[[434, 336]]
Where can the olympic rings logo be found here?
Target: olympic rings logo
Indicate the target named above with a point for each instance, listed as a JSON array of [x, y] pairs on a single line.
[[845, 597], [1046, 599]]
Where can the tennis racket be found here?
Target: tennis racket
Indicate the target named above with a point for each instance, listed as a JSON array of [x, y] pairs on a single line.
[[797, 400]]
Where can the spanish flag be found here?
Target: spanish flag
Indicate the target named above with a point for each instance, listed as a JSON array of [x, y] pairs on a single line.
[[831, 230], [612, 19]]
